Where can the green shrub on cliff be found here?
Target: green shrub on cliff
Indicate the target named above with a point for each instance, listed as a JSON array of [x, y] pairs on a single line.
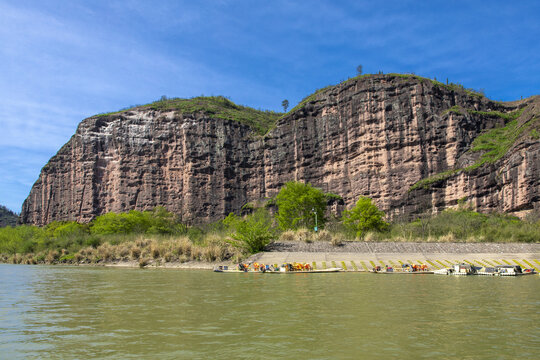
[[495, 143], [297, 204], [113, 223], [492, 144]]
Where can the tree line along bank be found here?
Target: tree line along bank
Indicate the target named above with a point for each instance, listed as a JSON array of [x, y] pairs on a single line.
[[300, 216]]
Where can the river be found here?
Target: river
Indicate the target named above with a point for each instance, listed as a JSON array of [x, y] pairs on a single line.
[[92, 312]]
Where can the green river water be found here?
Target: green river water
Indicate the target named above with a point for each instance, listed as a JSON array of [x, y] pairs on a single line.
[[83, 312]]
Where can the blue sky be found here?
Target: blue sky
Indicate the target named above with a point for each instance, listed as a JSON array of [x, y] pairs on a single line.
[[62, 61]]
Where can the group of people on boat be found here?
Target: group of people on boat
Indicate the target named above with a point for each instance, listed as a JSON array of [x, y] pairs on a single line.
[[263, 267], [296, 266], [385, 269], [414, 267]]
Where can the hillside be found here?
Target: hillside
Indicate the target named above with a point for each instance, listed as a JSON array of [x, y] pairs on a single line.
[[7, 217], [412, 144]]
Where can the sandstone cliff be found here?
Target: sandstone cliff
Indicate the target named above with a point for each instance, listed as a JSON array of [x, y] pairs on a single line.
[[411, 144]]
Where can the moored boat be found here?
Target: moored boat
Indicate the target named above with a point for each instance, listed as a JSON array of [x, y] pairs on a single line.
[[227, 269], [240, 268], [512, 270], [287, 268], [487, 271], [458, 269], [445, 271], [499, 270], [405, 269], [302, 268], [312, 271]]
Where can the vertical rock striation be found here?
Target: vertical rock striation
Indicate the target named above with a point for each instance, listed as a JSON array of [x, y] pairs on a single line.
[[374, 136]]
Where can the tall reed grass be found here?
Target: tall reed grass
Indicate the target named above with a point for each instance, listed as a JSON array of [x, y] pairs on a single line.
[[143, 251]]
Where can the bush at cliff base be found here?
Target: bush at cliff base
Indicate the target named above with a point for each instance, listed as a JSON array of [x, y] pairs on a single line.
[[297, 204], [157, 221], [470, 226], [72, 236], [253, 232], [20, 239], [364, 217]]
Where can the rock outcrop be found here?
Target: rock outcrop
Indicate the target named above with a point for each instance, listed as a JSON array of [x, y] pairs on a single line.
[[404, 141]]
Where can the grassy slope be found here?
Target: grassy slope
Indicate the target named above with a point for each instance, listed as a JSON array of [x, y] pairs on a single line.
[[492, 144]]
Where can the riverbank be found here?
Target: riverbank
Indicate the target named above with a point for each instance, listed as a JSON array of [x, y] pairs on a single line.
[[361, 256], [403, 247], [351, 256]]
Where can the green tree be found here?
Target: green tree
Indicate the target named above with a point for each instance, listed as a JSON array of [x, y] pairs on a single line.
[[363, 217], [359, 69], [162, 221], [58, 229], [111, 223], [253, 232], [285, 104], [297, 203]]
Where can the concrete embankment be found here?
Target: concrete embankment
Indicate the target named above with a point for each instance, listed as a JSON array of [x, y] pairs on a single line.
[[358, 256]]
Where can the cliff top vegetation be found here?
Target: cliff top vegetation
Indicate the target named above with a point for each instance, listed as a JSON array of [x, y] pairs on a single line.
[[261, 121], [218, 107], [448, 86]]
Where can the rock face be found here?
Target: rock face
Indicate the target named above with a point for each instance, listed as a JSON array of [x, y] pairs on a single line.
[[372, 136]]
